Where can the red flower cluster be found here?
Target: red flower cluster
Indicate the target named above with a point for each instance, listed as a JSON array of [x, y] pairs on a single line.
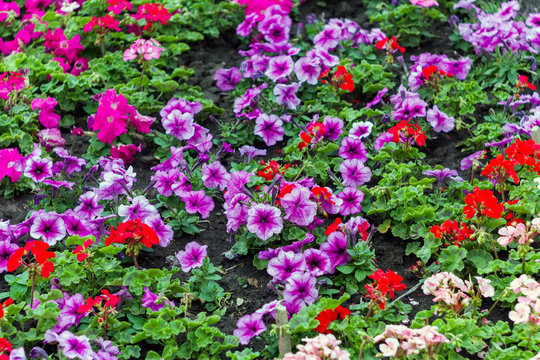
[[38, 258], [313, 131], [385, 284], [272, 169], [6, 303], [434, 70], [5, 349], [102, 25], [499, 169], [152, 13], [335, 226], [523, 82], [82, 250], [411, 132], [526, 153], [482, 202], [104, 309], [390, 44], [451, 232], [134, 234], [340, 79], [327, 316]]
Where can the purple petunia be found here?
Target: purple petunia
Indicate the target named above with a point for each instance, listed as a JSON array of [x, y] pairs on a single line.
[[89, 207], [264, 221], [164, 232], [71, 163], [269, 128], [165, 181], [336, 249], [354, 172], [409, 108], [38, 168], [226, 79], [75, 347], [468, 161], [215, 175], [179, 124], [297, 206], [307, 70], [69, 315], [149, 300], [6, 249], [361, 129], [198, 202], [48, 227], [439, 121], [140, 208], [250, 152], [249, 326], [352, 148], [286, 95], [300, 288], [352, 200], [441, 174], [282, 266], [192, 257], [333, 127], [378, 98], [279, 67], [317, 262], [328, 38]]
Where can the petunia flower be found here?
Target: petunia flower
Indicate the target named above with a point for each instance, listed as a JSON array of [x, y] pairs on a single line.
[[352, 148], [354, 172], [75, 347], [48, 227], [47, 117], [286, 95], [300, 288], [249, 326], [297, 206], [163, 231], [264, 221], [38, 168], [285, 264], [140, 208], [178, 124], [249, 151], [336, 249], [226, 79], [317, 262], [6, 249], [192, 257], [361, 129], [89, 206], [279, 67], [439, 121], [149, 300], [333, 127], [8, 160], [269, 128], [307, 70], [441, 174], [351, 201], [215, 175]]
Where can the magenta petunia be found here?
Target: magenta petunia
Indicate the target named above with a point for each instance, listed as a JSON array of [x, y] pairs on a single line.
[[301, 288], [139, 208], [269, 128], [164, 232], [249, 326], [328, 38], [192, 256], [354, 172], [308, 70], [75, 347], [236, 212], [164, 180], [226, 79], [297, 206], [279, 67], [89, 206], [264, 221], [282, 266], [48, 227], [38, 168], [336, 249], [250, 152], [352, 200], [317, 262], [215, 175], [439, 121], [178, 124], [353, 148], [50, 138], [6, 249], [47, 117], [149, 300], [286, 95], [333, 127], [198, 202]]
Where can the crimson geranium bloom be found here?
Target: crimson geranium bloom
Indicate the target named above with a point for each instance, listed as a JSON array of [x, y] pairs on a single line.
[[385, 284], [500, 169], [411, 132], [329, 315], [134, 234], [482, 202], [38, 249], [525, 153], [451, 232], [390, 44]]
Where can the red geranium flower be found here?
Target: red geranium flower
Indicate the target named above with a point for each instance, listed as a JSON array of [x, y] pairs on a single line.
[[327, 316], [82, 250], [451, 232], [38, 250], [499, 169], [482, 202], [134, 234], [333, 227], [391, 45], [523, 82], [385, 284]]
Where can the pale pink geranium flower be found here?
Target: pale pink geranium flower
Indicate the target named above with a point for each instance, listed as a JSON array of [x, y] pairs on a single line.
[[424, 3], [485, 287], [389, 347], [143, 50], [520, 314]]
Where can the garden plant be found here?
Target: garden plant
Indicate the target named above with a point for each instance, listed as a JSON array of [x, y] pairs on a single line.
[[269, 179]]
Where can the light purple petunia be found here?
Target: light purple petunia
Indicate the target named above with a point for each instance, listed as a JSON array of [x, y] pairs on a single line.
[[410, 108], [192, 257], [264, 221], [238, 180], [351, 201], [251, 151], [71, 163], [324, 56], [249, 326], [165, 180], [300, 288], [279, 67], [236, 212], [75, 347], [333, 127], [140, 208], [328, 38], [226, 79], [286, 95], [317, 262], [440, 121], [198, 202], [164, 232], [75, 225], [176, 158], [182, 105], [269, 128], [149, 300], [285, 264], [382, 139], [361, 129], [378, 98], [89, 205], [38, 168], [249, 99], [468, 161], [336, 249], [297, 206], [459, 68], [6, 249], [48, 227], [441, 174], [69, 315], [179, 124], [215, 175], [307, 70], [354, 173], [352, 148]]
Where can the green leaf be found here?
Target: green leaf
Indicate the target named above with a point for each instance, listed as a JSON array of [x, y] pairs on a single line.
[[451, 258], [479, 258]]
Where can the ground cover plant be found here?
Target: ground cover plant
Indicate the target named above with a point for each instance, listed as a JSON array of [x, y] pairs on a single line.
[[269, 180]]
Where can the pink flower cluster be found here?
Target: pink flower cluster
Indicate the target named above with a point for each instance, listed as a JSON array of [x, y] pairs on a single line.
[[66, 51], [453, 292], [51, 135], [400, 341], [521, 233], [11, 82], [527, 311], [321, 347], [143, 50]]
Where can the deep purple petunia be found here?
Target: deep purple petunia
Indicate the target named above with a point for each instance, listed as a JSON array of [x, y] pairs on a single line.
[[249, 99], [226, 79], [236, 211], [215, 175], [249, 326], [264, 221], [308, 70], [354, 172], [353, 148], [6, 249], [284, 264], [269, 128], [38, 168], [140, 208], [378, 98], [410, 108], [165, 180], [333, 127], [48, 227], [440, 121], [250, 152], [198, 202], [300, 288], [89, 205], [149, 300], [336, 249], [71, 163], [279, 67], [441, 174], [179, 125], [384, 138], [297, 206], [74, 224], [317, 262], [192, 257], [352, 200], [75, 347], [286, 95]]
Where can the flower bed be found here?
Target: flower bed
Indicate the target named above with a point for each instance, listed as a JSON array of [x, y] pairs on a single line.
[[338, 189]]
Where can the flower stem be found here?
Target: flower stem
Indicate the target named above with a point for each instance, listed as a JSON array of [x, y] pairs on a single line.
[[140, 83], [493, 246]]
